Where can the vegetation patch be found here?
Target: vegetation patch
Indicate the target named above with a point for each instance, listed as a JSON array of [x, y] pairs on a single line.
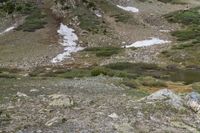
[[133, 67], [191, 20], [9, 73], [151, 82], [187, 51], [104, 51], [186, 17], [136, 93], [36, 20], [196, 87], [89, 21], [10, 7], [112, 10], [134, 74], [147, 81], [173, 1]]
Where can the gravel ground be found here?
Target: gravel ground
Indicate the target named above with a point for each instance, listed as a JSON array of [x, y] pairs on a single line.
[[88, 105]]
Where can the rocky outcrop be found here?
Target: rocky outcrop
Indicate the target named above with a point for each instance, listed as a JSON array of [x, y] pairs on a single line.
[[167, 96], [193, 101]]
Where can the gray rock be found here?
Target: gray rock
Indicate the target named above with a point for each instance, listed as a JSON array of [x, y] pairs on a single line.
[[124, 128], [168, 96], [19, 94], [113, 116], [61, 100], [53, 121], [193, 101], [34, 90]]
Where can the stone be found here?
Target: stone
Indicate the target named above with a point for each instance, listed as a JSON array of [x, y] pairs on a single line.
[[53, 121], [113, 116], [19, 94], [61, 100], [168, 96], [193, 101], [34, 90]]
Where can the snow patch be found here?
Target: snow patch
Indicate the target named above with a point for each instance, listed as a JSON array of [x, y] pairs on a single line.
[[7, 30], [129, 9], [165, 31], [143, 43], [98, 15], [69, 42]]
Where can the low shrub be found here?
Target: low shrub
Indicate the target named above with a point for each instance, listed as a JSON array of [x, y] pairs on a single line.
[[36, 20], [104, 51]]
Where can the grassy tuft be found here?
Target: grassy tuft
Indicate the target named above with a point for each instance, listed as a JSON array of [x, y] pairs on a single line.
[[173, 1], [104, 51], [36, 20]]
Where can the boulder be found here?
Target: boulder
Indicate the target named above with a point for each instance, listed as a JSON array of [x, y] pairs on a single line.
[[167, 96], [192, 100], [61, 100]]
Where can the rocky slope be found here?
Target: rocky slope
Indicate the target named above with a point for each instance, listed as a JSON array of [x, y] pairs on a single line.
[[99, 66]]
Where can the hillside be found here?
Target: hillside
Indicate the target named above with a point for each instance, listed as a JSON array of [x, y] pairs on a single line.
[[99, 66]]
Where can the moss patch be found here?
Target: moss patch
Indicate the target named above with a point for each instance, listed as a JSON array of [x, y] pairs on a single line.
[[104, 51]]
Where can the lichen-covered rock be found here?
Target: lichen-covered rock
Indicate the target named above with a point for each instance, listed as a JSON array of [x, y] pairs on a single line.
[[193, 101], [61, 100], [168, 96]]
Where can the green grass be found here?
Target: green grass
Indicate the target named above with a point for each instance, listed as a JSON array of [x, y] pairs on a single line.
[[132, 67], [151, 82], [196, 87], [78, 73], [36, 20], [142, 74], [103, 51], [173, 1], [186, 17], [89, 21], [112, 73], [11, 7], [136, 93], [8, 73], [183, 46], [190, 33], [191, 20], [144, 81]]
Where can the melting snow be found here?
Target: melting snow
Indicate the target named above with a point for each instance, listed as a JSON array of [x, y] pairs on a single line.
[[149, 42], [7, 30], [69, 42], [129, 9], [165, 31], [98, 15]]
